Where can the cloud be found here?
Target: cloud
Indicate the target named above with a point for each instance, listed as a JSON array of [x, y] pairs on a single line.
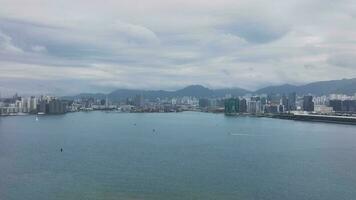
[[39, 48], [135, 33], [170, 44], [347, 60], [256, 31], [6, 45]]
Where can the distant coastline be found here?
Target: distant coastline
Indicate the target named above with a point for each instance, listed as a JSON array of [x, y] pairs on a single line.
[[336, 119]]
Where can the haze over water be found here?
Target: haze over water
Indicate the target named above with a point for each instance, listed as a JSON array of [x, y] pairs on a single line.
[[188, 155]]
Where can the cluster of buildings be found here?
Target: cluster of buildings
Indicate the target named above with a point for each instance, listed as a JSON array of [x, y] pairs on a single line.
[[333, 104], [291, 103], [136, 103], [90, 104], [175, 104], [32, 105], [272, 103]]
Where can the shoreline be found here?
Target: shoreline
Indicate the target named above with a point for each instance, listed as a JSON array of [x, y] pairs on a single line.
[[296, 117]]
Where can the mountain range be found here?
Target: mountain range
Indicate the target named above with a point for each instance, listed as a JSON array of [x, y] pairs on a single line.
[[344, 86]]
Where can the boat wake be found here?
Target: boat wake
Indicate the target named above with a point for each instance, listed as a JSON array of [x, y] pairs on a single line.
[[240, 134]]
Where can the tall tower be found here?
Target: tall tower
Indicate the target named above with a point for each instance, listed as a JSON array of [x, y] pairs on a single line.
[[107, 102]]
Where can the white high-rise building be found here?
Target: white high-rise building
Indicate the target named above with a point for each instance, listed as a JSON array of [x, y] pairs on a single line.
[[254, 106], [32, 104], [24, 105], [18, 105]]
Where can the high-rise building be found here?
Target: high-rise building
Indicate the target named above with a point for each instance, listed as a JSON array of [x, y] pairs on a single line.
[[273, 99], [25, 105], [336, 105], [41, 107], [308, 104], [203, 103], [281, 108], [57, 106], [231, 106], [32, 104], [349, 106], [284, 103], [271, 108], [138, 101], [18, 105], [253, 106], [107, 102], [263, 101], [243, 106], [343, 105], [292, 99]]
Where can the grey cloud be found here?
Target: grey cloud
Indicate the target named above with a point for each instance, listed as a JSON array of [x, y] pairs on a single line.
[[6, 44], [347, 60], [167, 45], [256, 31], [135, 33]]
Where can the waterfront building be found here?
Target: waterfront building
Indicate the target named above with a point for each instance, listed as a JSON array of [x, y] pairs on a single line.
[[107, 102], [138, 101], [263, 101], [349, 106], [284, 103], [232, 105], [281, 109], [253, 106], [41, 107], [271, 108], [242, 106], [25, 105], [292, 99], [336, 105], [308, 104], [323, 109], [203, 103], [32, 105], [57, 106], [18, 105]]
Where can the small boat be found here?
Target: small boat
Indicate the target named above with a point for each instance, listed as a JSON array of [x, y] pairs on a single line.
[[36, 118]]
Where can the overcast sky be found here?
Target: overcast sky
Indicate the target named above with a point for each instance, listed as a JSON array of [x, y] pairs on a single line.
[[73, 46]]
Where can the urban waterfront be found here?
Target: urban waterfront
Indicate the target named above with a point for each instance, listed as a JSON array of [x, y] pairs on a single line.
[[187, 155]]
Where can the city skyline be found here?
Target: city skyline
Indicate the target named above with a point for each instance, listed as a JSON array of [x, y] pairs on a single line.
[[67, 47]]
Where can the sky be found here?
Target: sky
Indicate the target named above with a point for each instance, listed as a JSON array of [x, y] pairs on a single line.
[[73, 46]]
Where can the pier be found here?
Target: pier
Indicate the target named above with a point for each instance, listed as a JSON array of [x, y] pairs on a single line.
[[318, 118]]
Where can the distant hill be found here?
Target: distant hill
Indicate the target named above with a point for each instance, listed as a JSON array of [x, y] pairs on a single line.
[[192, 90], [233, 91], [195, 90], [286, 88], [344, 86]]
